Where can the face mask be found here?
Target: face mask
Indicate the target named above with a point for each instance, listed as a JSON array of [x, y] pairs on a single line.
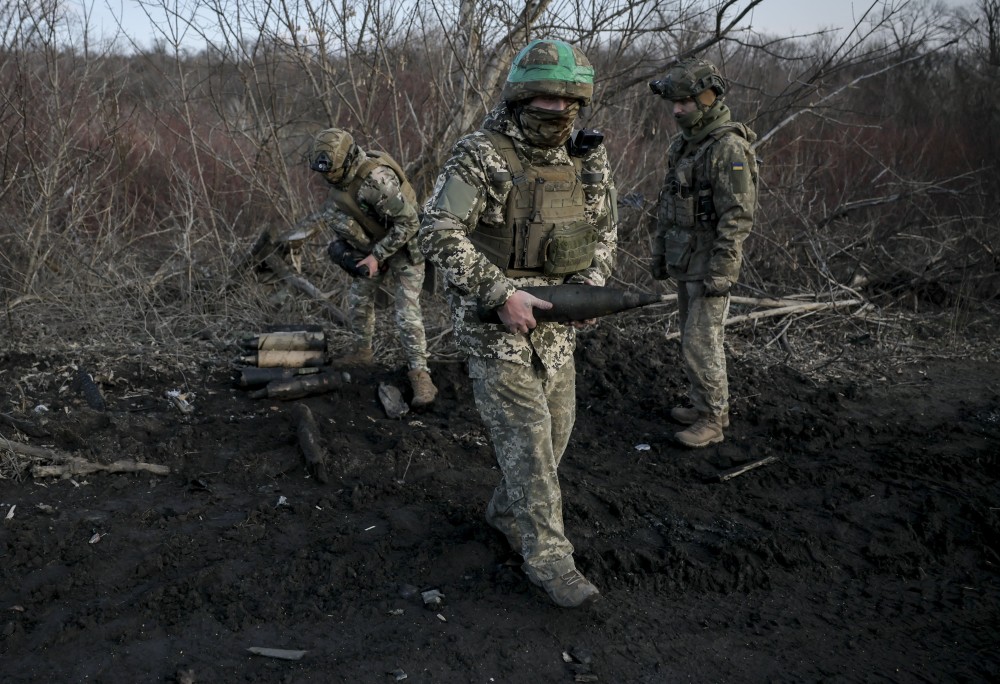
[[548, 127], [690, 120]]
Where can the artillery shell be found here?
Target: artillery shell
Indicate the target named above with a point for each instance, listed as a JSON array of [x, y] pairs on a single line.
[[252, 376], [267, 358], [578, 302], [286, 341]]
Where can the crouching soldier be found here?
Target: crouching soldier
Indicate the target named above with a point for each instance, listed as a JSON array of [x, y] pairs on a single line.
[[373, 214]]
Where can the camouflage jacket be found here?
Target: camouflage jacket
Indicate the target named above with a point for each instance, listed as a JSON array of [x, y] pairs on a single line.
[[379, 195], [474, 283], [724, 171]]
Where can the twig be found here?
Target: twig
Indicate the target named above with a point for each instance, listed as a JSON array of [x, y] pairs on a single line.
[[736, 472], [276, 264]]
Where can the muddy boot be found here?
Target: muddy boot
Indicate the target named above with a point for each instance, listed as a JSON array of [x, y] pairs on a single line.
[[704, 431], [361, 356], [565, 585], [688, 416], [424, 390]]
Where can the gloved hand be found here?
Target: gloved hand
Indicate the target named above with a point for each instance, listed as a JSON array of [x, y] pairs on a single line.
[[658, 267], [717, 286], [347, 258]]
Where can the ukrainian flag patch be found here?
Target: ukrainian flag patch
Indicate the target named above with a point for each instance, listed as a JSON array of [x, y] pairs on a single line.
[[737, 166]]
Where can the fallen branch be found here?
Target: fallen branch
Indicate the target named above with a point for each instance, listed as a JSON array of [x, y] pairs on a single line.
[[736, 472], [79, 466], [782, 311], [74, 465], [747, 301], [25, 426], [280, 269]]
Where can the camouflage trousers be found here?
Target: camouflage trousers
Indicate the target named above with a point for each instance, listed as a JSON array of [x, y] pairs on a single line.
[[702, 328], [529, 413], [409, 279]]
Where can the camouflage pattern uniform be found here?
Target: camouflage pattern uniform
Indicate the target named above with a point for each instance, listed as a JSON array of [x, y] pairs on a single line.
[[704, 213], [524, 383], [399, 255]]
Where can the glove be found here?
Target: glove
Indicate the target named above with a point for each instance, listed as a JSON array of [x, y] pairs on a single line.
[[347, 258], [658, 267], [717, 286]]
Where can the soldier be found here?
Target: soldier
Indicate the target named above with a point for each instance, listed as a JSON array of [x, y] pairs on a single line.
[[704, 213], [518, 204], [373, 214]]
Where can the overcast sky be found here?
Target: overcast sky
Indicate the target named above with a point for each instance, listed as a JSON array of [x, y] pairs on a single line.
[[786, 17], [776, 17]]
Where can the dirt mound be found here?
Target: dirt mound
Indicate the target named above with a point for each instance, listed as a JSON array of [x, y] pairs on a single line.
[[867, 548]]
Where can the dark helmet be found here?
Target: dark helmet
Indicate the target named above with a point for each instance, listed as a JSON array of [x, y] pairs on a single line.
[[550, 67], [689, 78], [333, 153]]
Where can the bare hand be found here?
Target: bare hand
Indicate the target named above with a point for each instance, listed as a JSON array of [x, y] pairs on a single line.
[[517, 312], [372, 263]]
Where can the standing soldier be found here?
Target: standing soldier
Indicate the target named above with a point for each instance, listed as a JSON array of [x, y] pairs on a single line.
[[519, 204], [705, 212], [373, 214]]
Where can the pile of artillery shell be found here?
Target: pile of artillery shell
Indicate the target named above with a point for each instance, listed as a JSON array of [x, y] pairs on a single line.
[[286, 364], [285, 349]]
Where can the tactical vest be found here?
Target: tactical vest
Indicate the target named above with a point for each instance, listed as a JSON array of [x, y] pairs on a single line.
[[685, 206], [346, 199], [545, 229]]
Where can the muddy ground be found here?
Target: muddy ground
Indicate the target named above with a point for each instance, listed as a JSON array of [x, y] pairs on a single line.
[[868, 551]]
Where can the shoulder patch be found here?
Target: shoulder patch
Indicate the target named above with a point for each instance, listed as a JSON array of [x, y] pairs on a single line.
[[739, 177], [457, 198]]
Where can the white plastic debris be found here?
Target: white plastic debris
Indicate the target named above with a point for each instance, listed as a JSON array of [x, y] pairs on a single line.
[[10, 513], [41, 408], [642, 447], [433, 598]]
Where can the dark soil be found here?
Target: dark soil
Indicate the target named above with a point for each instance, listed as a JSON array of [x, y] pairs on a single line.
[[868, 551]]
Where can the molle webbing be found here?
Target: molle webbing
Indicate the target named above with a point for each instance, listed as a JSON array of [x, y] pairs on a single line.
[[346, 199], [543, 200]]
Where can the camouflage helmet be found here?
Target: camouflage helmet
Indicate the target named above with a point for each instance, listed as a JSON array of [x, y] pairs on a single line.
[[550, 67], [333, 151], [688, 78]]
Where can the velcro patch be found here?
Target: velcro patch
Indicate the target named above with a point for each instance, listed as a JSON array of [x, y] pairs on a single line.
[[457, 197], [739, 178]]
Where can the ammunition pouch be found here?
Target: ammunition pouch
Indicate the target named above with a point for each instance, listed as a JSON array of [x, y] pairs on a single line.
[[677, 247], [544, 230], [570, 248]]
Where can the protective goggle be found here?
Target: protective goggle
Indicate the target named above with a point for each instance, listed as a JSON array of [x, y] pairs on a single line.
[[323, 164]]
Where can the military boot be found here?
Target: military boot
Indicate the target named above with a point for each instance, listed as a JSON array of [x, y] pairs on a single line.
[[704, 431], [424, 390], [688, 416], [360, 356], [565, 585]]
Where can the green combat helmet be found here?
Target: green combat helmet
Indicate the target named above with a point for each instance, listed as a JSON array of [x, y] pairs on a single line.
[[552, 68], [333, 153], [688, 78]]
